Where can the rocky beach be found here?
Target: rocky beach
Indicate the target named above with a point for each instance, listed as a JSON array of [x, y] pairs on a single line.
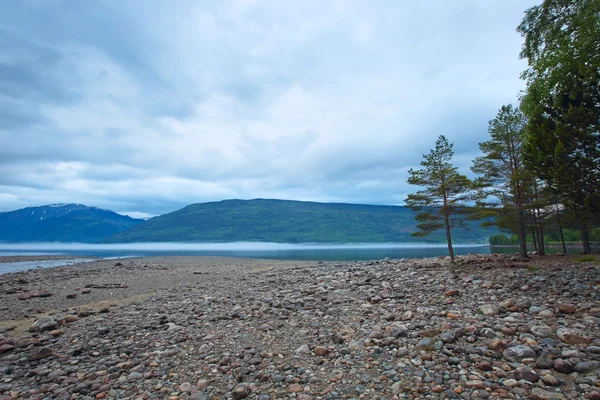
[[493, 326]]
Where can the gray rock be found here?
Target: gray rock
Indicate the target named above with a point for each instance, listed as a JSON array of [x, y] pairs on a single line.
[[518, 353], [572, 336], [542, 331]]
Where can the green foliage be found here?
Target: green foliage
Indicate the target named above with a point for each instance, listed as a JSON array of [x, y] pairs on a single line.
[[552, 236], [586, 259], [562, 102], [503, 240], [562, 42], [532, 268], [284, 221], [442, 202], [503, 181]]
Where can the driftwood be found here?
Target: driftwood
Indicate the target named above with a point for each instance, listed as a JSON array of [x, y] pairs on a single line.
[[106, 286]]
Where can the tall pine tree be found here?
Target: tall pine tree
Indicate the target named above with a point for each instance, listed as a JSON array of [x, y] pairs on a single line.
[[562, 103], [503, 180], [442, 202]]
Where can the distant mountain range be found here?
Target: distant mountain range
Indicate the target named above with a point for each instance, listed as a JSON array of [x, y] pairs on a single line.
[[285, 221], [62, 223], [259, 220]]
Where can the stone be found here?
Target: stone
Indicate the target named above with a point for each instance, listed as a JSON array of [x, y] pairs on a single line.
[[240, 323], [563, 366], [476, 384], [6, 347], [550, 380], [546, 314], [43, 324], [397, 387], [70, 318], [304, 349], [295, 388], [321, 350], [41, 353], [185, 387], [526, 373], [408, 315], [543, 331], [429, 344], [240, 392], [542, 394], [484, 366], [489, 310], [572, 336], [567, 308], [201, 384], [586, 366], [518, 353], [510, 383], [449, 336]]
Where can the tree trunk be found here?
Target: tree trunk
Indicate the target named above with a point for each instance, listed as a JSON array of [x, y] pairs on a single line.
[[541, 248], [560, 228], [521, 234], [449, 238], [533, 229], [585, 239]]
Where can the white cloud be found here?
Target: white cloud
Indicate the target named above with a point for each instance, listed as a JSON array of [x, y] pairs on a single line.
[[311, 101]]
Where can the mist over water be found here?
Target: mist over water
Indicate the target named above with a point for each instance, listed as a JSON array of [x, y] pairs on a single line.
[[282, 251]]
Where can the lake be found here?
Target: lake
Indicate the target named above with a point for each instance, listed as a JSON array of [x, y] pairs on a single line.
[[309, 252]]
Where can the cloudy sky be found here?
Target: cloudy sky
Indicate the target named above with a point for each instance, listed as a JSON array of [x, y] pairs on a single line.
[[146, 106]]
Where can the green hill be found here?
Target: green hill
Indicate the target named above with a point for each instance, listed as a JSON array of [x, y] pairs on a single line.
[[285, 221]]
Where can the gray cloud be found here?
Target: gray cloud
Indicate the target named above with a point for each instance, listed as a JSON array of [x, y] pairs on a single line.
[[142, 107]]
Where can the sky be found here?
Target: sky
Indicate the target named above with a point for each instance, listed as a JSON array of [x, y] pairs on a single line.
[[145, 106]]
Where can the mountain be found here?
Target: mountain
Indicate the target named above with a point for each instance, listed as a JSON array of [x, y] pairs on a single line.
[[62, 223], [286, 221]]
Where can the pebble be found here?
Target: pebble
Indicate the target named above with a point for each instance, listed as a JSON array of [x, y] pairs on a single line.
[[375, 329]]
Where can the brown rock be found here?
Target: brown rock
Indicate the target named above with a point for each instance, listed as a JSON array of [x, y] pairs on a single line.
[[295, 388], [5, 348], [41, 353], [567, 308], [407, 316], [201, 384], [527, 374], [572, 336], [321, 350], [563, 366], [240, 392], [70, 318]]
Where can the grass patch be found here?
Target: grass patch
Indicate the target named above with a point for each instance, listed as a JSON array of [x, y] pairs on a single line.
[[586, 259]]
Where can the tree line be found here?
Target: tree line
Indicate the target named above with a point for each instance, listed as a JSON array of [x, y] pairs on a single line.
[[540, 166]]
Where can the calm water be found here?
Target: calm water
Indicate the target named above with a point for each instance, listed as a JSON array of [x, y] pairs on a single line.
[[250, 250], [27, 265], [308, 252]]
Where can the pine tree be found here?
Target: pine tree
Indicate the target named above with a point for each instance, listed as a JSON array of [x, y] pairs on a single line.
[[503, 180], [442, 202], [562, 103]]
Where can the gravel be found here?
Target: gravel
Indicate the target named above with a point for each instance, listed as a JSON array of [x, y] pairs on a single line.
[[215, 328]]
